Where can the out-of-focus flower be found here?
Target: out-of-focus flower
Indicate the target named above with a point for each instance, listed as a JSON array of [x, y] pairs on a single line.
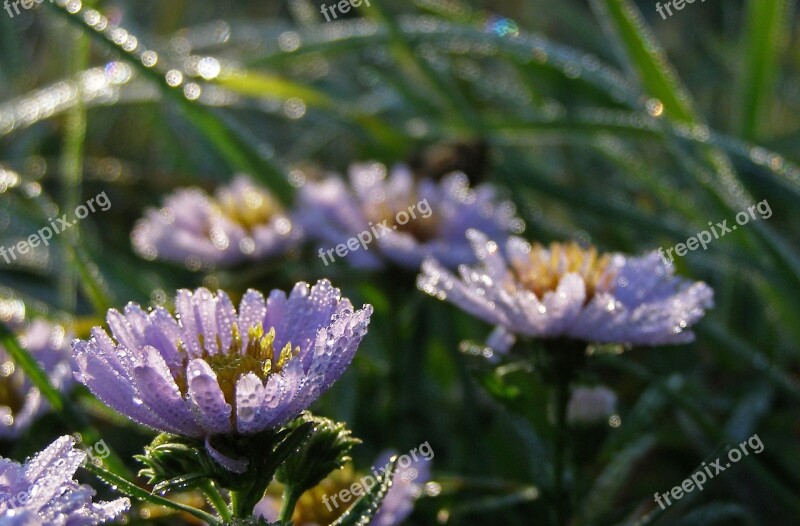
[[407, 485], [41, 492], [405, 219], [213, 372], [589, 405], [571, 292], [241, 222], [20, 402], [322, 504]]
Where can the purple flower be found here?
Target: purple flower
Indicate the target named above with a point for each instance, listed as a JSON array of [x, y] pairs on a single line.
[[321, 505], [241, 222], [20, 402], [407, 486], [213, 372], [42, 492], [395, 217], [567, 291]]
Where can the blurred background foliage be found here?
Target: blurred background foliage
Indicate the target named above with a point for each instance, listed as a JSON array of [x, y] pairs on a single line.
[[603, 122]]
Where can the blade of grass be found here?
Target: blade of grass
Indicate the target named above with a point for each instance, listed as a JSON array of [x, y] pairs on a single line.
[[767, 30], [644, 58], [260, 85], [71, 166], [239, 154]]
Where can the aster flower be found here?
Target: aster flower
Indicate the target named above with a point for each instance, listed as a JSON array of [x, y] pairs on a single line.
[[407, 486], [41, 492], [213, 372], [20, 402], [317, 506], [241, 222], [381, 204], [589, 405], [565, 291]]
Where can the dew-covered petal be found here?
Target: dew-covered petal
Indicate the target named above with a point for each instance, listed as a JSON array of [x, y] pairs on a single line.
[[205, 313], [113, 389], [226, 317], [249, 402], [208, 400], [190, 328], [251, 311], [158, 390], [164, 334]]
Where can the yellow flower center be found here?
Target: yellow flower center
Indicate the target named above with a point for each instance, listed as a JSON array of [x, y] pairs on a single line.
[[252, 208], [256, 355], [421, 228], [549, 265], [11, 387]]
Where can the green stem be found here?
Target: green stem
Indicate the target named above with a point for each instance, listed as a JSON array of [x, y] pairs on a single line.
[[217, 501], [243, 502], [561, 398], [563, 361], [290, 498]]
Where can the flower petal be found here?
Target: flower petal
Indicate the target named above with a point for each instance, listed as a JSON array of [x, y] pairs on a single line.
[[208, 400]]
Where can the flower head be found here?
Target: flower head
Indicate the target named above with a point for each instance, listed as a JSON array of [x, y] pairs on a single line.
[[566, 291], [213, 372], [405, 220], [322, 504], [241, 222], [41, 492], [20, 402], [407, 485]]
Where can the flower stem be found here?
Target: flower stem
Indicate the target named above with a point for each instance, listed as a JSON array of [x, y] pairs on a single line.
[[290, 498], [560, 494], [217, 501], [564, 359]]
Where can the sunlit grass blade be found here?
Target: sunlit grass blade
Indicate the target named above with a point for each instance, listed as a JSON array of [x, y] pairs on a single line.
[[234, 149], [440, 87], [644, 57], [267, 86], [71, 167], [768, 24]]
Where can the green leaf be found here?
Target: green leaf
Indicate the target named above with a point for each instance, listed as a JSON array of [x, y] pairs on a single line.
[[326, 449]]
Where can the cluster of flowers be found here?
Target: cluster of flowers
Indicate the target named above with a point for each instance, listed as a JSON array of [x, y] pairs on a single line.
[[211, 370], [244, 222]]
